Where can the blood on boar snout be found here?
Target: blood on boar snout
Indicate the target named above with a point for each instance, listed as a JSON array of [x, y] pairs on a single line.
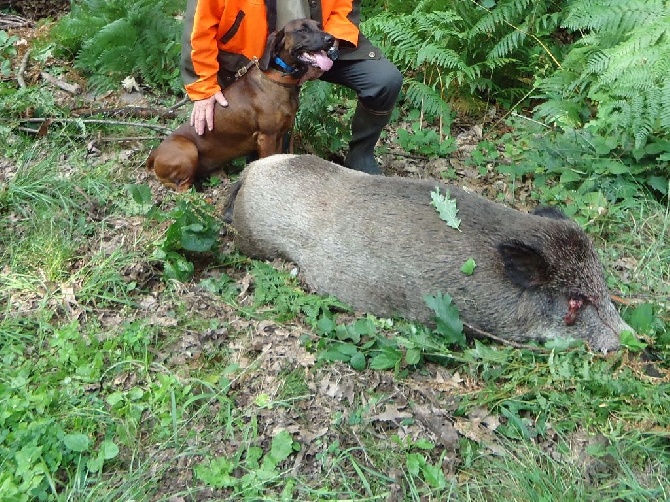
[[378, 244]]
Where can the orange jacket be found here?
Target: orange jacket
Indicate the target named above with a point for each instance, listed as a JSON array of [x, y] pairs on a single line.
[[241, 27]]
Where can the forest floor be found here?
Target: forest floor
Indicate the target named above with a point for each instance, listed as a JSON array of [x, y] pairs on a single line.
[[209, 394]]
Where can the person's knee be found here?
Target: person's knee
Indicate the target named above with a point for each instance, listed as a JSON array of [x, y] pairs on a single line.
[[388, 80], [394, 81]]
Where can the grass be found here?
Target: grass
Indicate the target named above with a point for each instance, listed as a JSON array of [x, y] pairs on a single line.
[[118, 382]]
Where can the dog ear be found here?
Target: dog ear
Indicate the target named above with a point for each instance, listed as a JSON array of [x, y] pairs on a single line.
[[275, 40]]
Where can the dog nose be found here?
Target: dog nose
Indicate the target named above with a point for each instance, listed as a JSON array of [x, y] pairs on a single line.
[[329, 40]]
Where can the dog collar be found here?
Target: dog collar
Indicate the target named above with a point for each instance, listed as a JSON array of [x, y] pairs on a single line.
[[284, 66]]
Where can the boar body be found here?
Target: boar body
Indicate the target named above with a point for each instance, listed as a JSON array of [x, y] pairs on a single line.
[[377, 244]]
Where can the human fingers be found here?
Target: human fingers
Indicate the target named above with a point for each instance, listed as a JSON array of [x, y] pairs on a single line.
[[199, 115], [221, 99]]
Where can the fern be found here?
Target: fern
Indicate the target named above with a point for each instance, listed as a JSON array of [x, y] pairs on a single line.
[[506, 12], [461, 50], [621, 66], [317, 129], [612, 16], [427, 98], [428, 45], [115, 39]]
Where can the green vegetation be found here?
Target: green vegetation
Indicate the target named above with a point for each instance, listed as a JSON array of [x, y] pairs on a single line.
[[143, 358]]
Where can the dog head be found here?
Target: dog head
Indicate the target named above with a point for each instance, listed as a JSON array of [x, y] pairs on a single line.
[[300, 44]]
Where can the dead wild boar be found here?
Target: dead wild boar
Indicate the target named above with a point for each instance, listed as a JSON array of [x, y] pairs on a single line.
[[379, 245]]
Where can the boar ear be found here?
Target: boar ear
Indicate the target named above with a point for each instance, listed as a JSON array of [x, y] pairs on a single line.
[[550, 212], [524, 265]]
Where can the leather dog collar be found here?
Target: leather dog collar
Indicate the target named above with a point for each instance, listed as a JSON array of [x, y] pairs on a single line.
[[280, 78]]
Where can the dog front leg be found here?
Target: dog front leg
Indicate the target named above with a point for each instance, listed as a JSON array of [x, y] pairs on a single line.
[[268, 144]]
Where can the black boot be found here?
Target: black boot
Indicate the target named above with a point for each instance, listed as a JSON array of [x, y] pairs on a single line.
[[366, 127]]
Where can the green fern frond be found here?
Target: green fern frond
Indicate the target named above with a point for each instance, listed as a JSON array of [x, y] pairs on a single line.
[[105, 56], [621, 66], [426, 98], [508, 44], [611, 15], [562, 112], [506, 12], [434, 54], [118, 38], [664, 102]]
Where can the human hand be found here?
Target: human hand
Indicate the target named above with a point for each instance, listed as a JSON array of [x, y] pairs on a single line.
[[203, 112], [311, 74]]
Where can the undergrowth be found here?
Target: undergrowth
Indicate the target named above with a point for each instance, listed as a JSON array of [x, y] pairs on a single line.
[[142, 359]]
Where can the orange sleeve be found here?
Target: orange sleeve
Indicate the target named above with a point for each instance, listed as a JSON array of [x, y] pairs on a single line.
[[336, 20], [204, 49]]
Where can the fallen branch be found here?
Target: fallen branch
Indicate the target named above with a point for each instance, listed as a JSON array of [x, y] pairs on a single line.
[[126, 111], [41, 120], [11, 21], [69, 88], [180, 103], [485, 334], [22, 70], [103, 139]]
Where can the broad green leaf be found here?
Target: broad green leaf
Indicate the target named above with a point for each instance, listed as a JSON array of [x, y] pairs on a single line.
[[216, 472], [325, 325], [282, 447], [659, 183], [447, 318], [434, 475], [641, 318], [94, 464], [562, 344], [76, 442], [196, 238], [413, 356], [468, 267], [445, 207], [631, 342], [485, 353], [388, 359], [26, 458], [177, 267], [357, 361], [141, 194], [364, 327], [414, 463], [109, 450], [424, 444], [333, 355], [347, 348]]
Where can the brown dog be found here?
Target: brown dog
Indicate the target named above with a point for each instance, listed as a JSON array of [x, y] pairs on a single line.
[[262, 107]]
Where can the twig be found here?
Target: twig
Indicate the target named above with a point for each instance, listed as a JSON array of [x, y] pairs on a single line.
[[104, 139], [36, 120], [70, 88], [121, 139], [401, 153], [179, 104], [22, 70], [481, 333], [11, 21], [126, 111]]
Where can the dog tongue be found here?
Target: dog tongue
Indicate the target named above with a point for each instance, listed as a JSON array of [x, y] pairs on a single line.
[[323, 61]]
